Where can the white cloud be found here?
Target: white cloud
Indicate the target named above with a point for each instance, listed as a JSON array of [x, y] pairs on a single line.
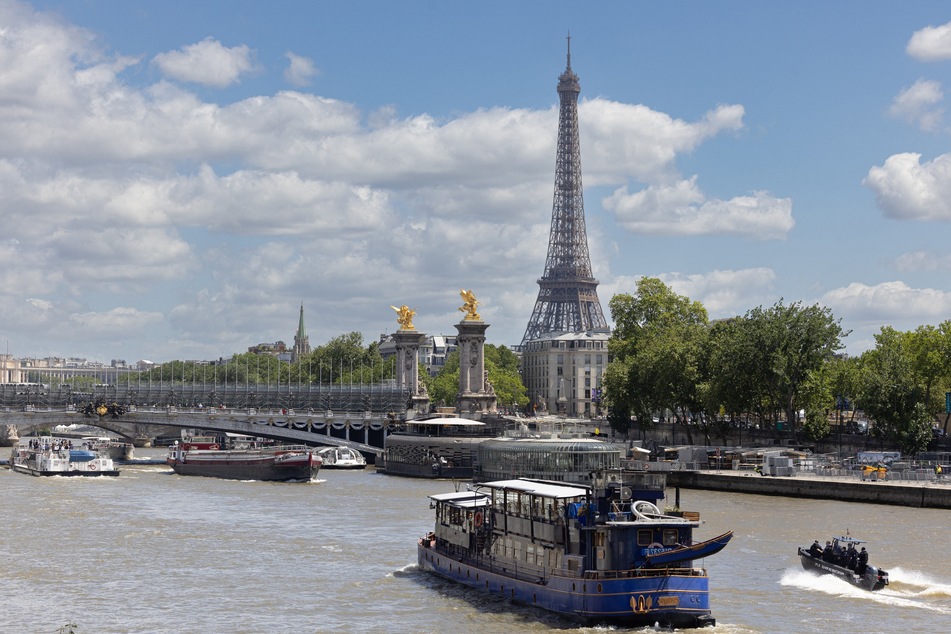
[[300, 70], [153, 218], [932, 43], [208, 63], [682, 209], [907, 189], [918, 104], [923, 261], [888, 302]]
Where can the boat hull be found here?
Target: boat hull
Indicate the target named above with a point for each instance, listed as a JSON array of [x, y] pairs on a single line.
[[873, 579], [228, 466], [33, 471], [672, 600]]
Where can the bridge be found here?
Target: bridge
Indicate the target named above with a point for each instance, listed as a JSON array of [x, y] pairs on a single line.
[[355, 416]]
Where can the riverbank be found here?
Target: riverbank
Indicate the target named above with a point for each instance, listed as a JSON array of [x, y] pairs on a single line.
[[922, 494]]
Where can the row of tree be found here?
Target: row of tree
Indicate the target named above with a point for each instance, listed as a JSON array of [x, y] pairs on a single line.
[[771, 364]]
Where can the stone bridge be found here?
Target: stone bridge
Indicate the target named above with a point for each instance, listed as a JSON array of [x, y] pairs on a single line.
[[362, 431]]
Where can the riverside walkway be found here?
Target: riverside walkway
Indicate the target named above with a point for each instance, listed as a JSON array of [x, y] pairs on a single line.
[[920, 490]]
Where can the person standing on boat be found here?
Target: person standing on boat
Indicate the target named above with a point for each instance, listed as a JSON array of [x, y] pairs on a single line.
[[815, 550], [827, 553], [863, 561]]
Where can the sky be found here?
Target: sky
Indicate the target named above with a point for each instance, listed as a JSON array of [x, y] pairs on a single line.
[[178, 178]]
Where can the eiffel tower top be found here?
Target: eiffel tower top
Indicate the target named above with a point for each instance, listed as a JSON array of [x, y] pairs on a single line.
[[568, 293]]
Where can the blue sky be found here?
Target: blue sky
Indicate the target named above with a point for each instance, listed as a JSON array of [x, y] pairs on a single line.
[[176, 178]]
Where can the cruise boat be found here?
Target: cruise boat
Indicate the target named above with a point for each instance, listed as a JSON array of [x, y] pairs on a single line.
[[49, 456], [441, 446], [845, 558], [341, 458], [589, 553], [114, 448], [243, 460]]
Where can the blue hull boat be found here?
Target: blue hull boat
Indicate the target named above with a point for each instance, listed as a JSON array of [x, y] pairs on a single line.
[[583, 552]]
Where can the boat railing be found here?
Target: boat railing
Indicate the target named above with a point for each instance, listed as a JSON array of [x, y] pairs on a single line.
[[644, 572]]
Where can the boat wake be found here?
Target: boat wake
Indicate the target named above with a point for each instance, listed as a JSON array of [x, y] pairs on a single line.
[[906, 589]]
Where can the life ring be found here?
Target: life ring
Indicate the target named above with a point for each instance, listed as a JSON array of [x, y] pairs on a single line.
[[213, 447], [92, 466], [477, 520]]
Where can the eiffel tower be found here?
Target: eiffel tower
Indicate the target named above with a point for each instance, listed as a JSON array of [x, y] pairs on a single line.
[[568, 293]]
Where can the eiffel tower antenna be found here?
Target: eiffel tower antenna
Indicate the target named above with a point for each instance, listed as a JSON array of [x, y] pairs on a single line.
[[568, 293]]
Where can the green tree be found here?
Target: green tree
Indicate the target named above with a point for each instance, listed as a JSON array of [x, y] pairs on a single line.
[[657, 348], [891, 395]]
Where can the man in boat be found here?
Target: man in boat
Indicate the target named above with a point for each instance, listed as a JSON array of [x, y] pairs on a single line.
[[827, 553], [863, 561], [815, 550]]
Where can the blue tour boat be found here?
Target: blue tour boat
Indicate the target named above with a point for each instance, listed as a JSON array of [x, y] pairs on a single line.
[[590, 553]]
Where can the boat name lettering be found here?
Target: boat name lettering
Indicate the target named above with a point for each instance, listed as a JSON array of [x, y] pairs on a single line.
[[668, 602]]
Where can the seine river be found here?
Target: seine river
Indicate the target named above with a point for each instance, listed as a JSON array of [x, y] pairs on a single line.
[[153, 552]]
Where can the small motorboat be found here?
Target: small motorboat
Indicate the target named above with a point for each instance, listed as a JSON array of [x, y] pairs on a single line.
[[845, 558], [341, 458]]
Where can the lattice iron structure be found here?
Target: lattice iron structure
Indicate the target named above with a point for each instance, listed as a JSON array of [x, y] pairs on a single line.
[[568, 293]]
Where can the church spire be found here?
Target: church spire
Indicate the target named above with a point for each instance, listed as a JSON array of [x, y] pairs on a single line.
[[301, 341]]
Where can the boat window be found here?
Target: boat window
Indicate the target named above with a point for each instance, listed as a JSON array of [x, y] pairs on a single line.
[[670, 537], [645, 537]]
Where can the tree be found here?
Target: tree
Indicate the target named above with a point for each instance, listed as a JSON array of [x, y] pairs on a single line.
[[656, 352], [891, 394]]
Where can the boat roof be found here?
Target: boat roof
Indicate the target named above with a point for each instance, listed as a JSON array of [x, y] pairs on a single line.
[[850, 540], [447, 422], [464, 499], [536, 487]]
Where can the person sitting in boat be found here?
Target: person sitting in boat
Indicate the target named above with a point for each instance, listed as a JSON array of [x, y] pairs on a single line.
[[863, 562], [815, 550]]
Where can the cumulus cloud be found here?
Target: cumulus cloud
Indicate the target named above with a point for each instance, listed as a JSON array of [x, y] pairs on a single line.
[[153, 216], [300, 70], [918, 104], [932, 43], [888, 302], [682, 208], [907, 189], [208, 63]]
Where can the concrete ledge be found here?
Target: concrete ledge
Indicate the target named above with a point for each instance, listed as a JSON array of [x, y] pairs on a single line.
[[918, 495]]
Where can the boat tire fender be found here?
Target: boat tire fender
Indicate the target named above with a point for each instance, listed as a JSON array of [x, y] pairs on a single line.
[[92, 466], [477, 519]]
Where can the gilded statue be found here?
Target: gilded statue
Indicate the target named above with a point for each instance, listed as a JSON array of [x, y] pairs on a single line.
[[469, 304], [404, 317]]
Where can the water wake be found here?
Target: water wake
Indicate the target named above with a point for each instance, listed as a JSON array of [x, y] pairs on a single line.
[[906, 589]]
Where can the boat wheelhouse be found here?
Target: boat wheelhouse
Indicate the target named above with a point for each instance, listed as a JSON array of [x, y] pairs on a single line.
[[590, 553]]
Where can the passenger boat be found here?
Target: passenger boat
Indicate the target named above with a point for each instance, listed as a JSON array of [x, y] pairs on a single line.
[[442, 446], [590, 553], [115, 449], [842, 558], [341, 458], [49, 456], [244, 460]]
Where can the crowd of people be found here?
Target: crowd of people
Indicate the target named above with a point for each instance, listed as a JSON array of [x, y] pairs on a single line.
[[848, 557]]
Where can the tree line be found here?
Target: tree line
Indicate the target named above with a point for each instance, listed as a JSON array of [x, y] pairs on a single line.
[[779, 365]]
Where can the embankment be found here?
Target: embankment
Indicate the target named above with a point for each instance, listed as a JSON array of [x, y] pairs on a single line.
[[919, 495]]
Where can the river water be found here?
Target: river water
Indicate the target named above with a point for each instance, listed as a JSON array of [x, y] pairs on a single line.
[[154, 552]]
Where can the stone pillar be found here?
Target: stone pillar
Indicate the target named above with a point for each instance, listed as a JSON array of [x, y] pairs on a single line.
[[476, 394], [407, 370]]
